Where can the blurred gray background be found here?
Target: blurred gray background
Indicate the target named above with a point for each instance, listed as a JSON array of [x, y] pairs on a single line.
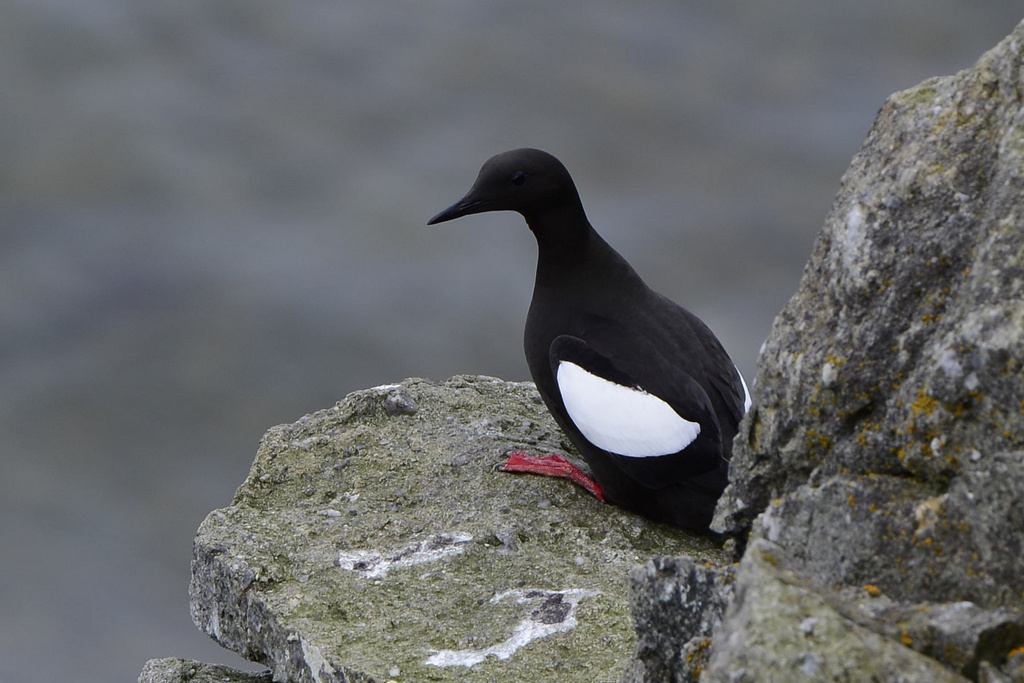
[[213, 221]]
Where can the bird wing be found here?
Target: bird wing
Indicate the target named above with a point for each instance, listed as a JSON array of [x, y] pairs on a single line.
[[658, 429], [726, 380]]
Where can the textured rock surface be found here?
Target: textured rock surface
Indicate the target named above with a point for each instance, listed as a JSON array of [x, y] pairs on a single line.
[[884, 453], [879, 479], [173, 670], [781, 628], [678, 604], [912, 541], [960, 635], [901, 352], [376, 541]]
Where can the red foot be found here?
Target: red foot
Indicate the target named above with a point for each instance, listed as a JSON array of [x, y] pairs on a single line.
[[551, 466]]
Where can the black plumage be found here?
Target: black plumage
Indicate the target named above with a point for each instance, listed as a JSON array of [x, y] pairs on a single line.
[[593, 315]]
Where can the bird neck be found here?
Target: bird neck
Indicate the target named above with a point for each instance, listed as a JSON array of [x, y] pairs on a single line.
[[574, 256], [560, 227]]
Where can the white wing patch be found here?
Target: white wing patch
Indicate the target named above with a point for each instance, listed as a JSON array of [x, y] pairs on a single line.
[[622, 420]]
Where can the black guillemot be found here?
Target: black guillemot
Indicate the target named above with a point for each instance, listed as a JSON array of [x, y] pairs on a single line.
[[640, 385]]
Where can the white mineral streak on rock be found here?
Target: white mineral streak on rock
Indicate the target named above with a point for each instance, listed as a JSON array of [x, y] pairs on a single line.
[[372, 564], [556, 613]]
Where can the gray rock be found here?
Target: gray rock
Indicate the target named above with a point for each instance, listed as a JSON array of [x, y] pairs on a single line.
[[880, 474], [780, 627], [677, 604], [376, 541], [913, 541], [960, 635], [1011, 672], [173, 670], [901, 352]]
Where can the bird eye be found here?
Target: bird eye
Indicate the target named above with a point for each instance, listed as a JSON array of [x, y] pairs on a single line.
[[518, 178]]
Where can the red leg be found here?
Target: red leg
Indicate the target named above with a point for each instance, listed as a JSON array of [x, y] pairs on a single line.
[[551, 466]]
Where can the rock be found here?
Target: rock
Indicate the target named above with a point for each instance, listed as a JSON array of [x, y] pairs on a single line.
[[960, 635], [914, 542], [677, 604], [901, 352], [1011, 672], [173, 670], [879, 479], [779, 627], [375, 541]]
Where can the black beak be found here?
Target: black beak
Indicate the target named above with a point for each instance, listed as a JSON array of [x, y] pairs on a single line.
[[463, 207]]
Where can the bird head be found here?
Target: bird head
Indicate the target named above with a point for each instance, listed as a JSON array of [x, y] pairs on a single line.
[[527, 181]]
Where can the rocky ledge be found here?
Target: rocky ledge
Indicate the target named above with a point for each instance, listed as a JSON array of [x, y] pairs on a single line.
[[376, 541], [876, 498]]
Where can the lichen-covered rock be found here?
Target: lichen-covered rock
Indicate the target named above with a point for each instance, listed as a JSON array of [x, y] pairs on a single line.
[[960, 635], [901, 353], [1011, 672], [678, 604], [174, 670], [881, 471], [779, 627], [375, 541], [914, 542]]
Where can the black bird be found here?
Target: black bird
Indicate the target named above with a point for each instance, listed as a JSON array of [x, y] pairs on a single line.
[[639, 384]]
